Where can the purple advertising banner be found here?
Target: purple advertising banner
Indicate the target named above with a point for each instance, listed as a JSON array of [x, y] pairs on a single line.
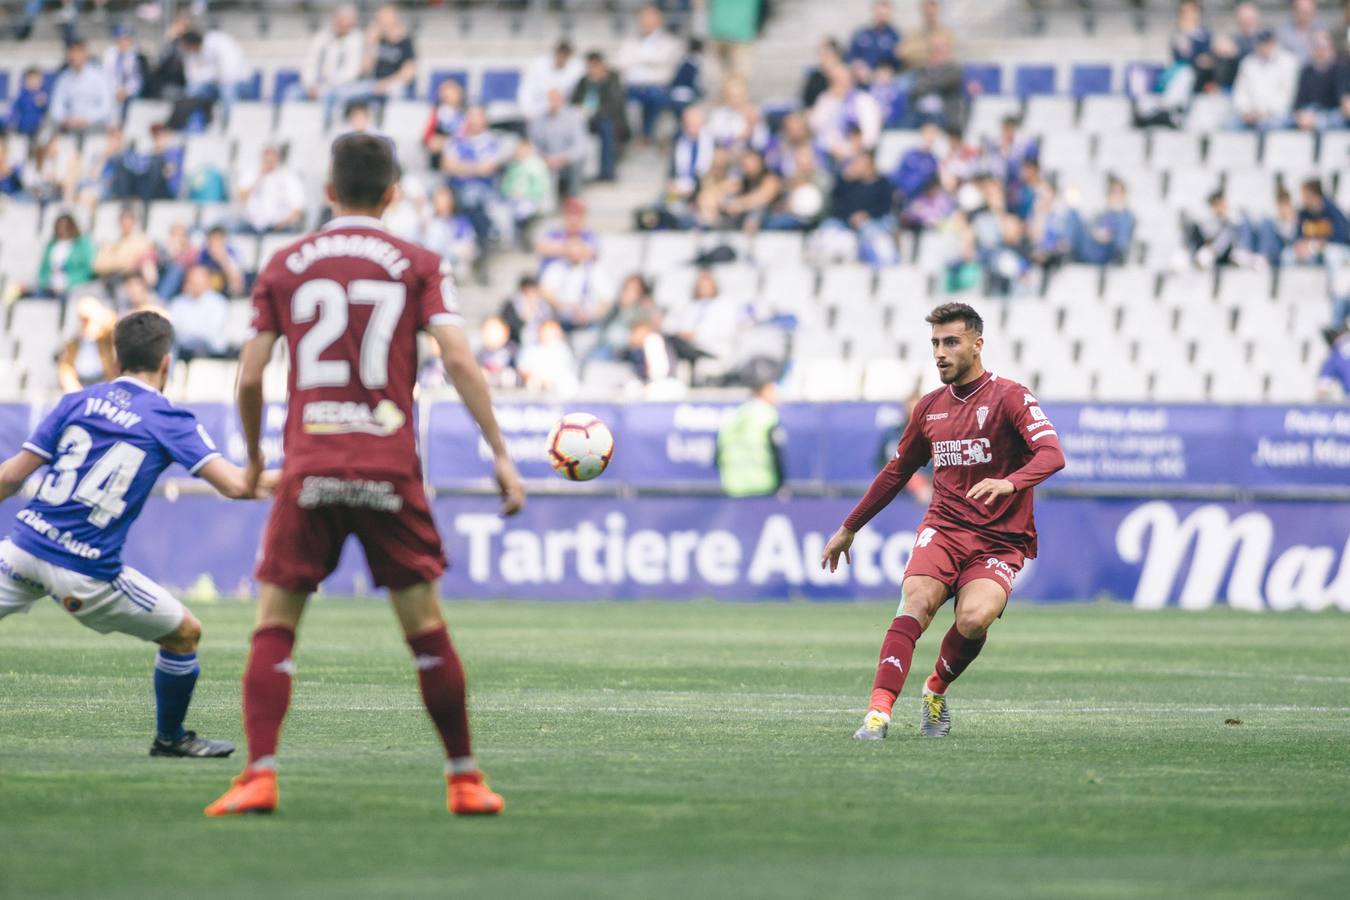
[[1151, 553]]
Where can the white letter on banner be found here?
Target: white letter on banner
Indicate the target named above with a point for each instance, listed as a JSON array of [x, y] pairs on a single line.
[[718, 558], [615, 524], [1216, 540], [682, 546], [646, 556], [556, 546], [777, 552], [865, 546], [895, 555], [1299, 578], [522, 558], [590, 541], [479, 529]]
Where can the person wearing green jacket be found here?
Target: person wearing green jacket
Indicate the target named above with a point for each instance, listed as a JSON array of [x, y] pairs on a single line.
[[67, 260], [733, 26], [526, 186], [750, 445]]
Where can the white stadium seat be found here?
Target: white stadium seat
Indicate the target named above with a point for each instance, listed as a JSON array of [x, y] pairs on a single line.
[[1121, 382], [987, 114], [1232, 149], [1209, 113], [888, 378], [251, 121], [668, 249], [674, 287], [1129, 286], [1334, 156], [1252, 191], [1188, 288], [788, 287], [864, 344], [1244, 288], [1050, 114], [902, 288], [774, 248], [1178, 384], [1236, 384], [141, 114], [1288, 150], [1188, 189], [1107, 114], [831, 379], [846, 283], [1173, 149]]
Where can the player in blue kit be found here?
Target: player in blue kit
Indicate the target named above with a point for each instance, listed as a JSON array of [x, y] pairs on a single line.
[[104, 447]]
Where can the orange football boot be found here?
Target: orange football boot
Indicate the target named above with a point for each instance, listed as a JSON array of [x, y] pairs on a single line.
[[253, 791], [469, 796]]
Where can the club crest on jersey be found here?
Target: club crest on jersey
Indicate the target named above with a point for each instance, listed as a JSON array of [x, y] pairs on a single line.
[[349, 417], [120, 397], [981, 414]]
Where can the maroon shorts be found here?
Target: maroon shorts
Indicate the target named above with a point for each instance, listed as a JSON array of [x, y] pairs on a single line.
[[957, 557], [313, 515]]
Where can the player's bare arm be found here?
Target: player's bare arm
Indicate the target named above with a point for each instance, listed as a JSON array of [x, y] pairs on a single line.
[[16, 470], [467, 377], [234, 483], [253, 359]]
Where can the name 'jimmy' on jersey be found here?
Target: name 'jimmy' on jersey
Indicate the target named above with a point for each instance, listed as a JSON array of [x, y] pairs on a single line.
[[352, 292], [105, 447]]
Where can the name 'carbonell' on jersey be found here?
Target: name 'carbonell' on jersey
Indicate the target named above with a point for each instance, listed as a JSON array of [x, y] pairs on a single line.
[[360, 246]]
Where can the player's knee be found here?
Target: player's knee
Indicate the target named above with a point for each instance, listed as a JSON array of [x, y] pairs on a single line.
[[974, 620], [185, 637]]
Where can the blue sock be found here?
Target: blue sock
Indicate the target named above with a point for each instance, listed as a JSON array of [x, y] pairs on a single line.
[[175, 677]]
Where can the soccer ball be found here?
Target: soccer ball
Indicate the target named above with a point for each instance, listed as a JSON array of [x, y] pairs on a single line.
[[580, 447]]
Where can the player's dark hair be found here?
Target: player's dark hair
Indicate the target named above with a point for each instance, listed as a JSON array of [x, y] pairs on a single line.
[[363, 167], [142, 340], [956, 312]]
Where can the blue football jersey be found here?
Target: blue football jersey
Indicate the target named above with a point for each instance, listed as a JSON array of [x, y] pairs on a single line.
[[105, 447]]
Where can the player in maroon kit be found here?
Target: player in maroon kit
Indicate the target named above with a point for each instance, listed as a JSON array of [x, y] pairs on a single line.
[[990, 444], [350, 301]]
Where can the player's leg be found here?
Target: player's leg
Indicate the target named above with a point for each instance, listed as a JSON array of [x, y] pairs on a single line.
[[440, 677], [978, 604], [923, 597]]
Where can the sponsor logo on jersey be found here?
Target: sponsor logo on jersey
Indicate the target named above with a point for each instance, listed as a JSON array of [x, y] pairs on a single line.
[[357, 493], [350, 417], [980, 415], [1038, 414], [936, 417], [962, 452], [1036, 426], [72, 604], [63, 539], [925, 537], [1001, 569], [1027, 400]]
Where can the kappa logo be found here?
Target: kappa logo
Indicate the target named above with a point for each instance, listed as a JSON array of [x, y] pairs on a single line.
[[1027, 400], [943, 661], [892, 661], [926, 537], [285, 667], [981, 414], [424, 662]]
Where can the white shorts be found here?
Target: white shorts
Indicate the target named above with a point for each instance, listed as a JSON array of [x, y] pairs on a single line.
[[131, 603]]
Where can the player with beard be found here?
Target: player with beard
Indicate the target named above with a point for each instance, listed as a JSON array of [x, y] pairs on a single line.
[[990, 444]]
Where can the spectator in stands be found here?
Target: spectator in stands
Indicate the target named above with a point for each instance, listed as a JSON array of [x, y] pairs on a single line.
[[716, 185], [132, 252], [793, 134], [862, 201], [548, 365], [333, 61], [496, 355], [829, 56], [1342, 35], [526, 187], [82, 97], [552, 243], [121, 173], [53, 171], [447, 232], [273, 197], [1223, 239], [1192, 44], [757, 190], [1323, 88], [577, 286], [917, 47], [1296, 35], [224, 270], [736, 123], [1051, 227], [890, 93], [473, 160], [938, 91], [126, 65], [918, 167], [802, 199], [446, 121], [1263, 94], [1107, 238], [67, 260], [690, 157], [1279, 232], [686, 85], [29, 109], [1230, 50], [166, 79], [215, 69], [600, 95], [711, 324], [733, 25], [88, 356], [11, 174], [560, 135], [199, 316], [172, 261], [634, 306], [1323, 233], [876, 42], [1161, 100], [359, 118], [391, 60], [559, 70], [841, 107], [1333, 381], [647, 61], [526, 310], [134, 295]]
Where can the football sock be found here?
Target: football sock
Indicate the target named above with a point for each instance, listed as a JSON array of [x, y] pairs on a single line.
[[441, 679], [175, 677], [897, 652], [958, 652], [267, 691]]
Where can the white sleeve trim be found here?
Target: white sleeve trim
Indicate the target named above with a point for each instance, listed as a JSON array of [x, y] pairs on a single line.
[[34, 448], [446, 318], [203, 461], [1037, 437]]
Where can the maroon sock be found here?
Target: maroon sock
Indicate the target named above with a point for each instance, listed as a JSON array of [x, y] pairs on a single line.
[[267, 689], [441, 679], [958, 651], [897, 652]]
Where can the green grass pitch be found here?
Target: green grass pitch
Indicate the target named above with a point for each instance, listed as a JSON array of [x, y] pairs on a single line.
[[700, 750]]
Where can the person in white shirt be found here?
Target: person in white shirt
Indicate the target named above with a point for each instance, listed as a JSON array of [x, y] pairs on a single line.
[[549, 365], [200, 316], [214, 66], [647, 62], [125, 64], [691, 155], [711, 323], [577, 287], [843, 105], [559, 70], [273, 198], [1267, 81], [82, 98], [333, 61]]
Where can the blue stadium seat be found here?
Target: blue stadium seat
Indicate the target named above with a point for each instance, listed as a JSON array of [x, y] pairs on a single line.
[[1150, 70], [282, 81], [252, 89], [440, 75], [4, 84], [500, 85], [1031, 80], [1090, 79], [989, 76]]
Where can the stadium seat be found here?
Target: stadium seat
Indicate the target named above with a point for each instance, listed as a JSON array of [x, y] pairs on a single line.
[[1120, 383], [989, 76], [1232, 150], [269, 244], [1334, 156], [103, 226], [936, 249], [1160, 350], [281, 83], [817, 344], [1207, 322], [1049, 115], [1083, 188], [826, 380], [790, 287], [202, 151], [1090, 78], [869, 343], [1033, 79], [1209, 113], [300, 125], [1296, 284], [238, 322], [1188, 189], [1173, 149], [246, 250], [251, 120], [499, 85], [846, 284], [1143, 74], [1107, 114], [902, 288], [1251, 190], [1288, 150], [1142, 321], [892, 147], [674, 286], [624, 248], [211, 214], [1178, 384], [405, 118], [668, 249], [1260, 322], [1064, 149], [210, 381], [769, 248], [1288, 384], [1245, 288], [987, 113], [738, 280], [1236, 384], [602, 378], [1032, 322], [888, 378], [1188, 288], [141, 114], [1062, 381], [439, 75], [1074, 285]]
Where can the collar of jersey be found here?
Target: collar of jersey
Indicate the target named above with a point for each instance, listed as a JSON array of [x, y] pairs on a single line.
[[136, 381], [354, 222], [988, 381]]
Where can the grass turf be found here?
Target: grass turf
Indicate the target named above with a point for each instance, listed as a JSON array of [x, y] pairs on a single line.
[[676, 750]]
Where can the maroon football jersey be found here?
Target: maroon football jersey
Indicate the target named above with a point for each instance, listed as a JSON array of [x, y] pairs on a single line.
[[349, 300], [990, 428]]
